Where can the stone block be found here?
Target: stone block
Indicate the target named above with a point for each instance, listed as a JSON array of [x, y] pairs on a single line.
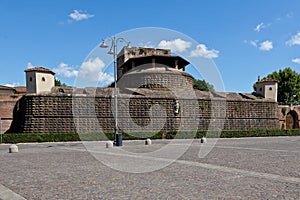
[[109, 144], [13, 149], [203, 140], [148, 142]]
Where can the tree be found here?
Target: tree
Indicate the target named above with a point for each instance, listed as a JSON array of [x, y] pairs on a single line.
[[288, 85], [203, 85], [58, 83]]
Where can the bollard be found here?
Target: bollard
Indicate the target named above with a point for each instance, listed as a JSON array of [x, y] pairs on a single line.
[[203, 140], [13, 149], [109, 144], [148, 142]]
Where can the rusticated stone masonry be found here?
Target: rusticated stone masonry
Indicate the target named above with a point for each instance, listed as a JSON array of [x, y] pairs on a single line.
[[67, 114]]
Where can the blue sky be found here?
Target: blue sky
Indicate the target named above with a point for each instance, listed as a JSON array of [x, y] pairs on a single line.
[[243, 38]]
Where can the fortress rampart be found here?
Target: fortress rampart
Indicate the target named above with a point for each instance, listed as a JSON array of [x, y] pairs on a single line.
[[154, 93], [70, 114]]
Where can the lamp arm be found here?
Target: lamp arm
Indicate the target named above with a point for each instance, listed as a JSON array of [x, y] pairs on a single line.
[[122, 40]]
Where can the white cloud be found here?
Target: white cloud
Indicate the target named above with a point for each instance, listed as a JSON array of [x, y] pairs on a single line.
[[266, 45], [147, 44], [202, 51], [259, 27], [93, 70], [296, 60], [289, 15], [177, 45], [254, 43], [295, 40], [65, 70], [29, 65], [12, 85], [78, 15]]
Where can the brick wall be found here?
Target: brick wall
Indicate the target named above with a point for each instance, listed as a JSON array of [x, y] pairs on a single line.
[[7, 105], [60, 114], [283, 111]]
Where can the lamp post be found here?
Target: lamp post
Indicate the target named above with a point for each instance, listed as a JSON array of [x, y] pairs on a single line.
[[113, 51]]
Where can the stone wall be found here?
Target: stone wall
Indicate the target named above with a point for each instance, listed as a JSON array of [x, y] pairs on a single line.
[[249, 115], [67, 114]]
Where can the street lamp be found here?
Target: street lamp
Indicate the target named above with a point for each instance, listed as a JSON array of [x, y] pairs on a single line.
[[113, 51]]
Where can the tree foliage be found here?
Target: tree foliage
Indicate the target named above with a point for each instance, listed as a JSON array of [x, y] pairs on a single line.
[[203, 85], [59, 83], [288, 85]]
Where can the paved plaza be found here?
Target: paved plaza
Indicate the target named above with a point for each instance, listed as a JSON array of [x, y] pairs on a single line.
[[247, 168]]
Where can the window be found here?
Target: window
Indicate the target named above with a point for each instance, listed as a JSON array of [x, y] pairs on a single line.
[[260, 89], [30, 78], [270, 88], [43, 79]]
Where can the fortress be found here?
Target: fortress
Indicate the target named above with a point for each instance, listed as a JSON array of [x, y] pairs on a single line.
[[154, 93]]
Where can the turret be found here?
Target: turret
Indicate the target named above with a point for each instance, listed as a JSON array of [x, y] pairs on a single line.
[[39, 80], [267, 88]]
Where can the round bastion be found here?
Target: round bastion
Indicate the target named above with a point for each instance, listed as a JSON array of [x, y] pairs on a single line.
[[157, 77]]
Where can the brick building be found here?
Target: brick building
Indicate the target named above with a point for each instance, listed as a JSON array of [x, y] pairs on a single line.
[[9, 96]]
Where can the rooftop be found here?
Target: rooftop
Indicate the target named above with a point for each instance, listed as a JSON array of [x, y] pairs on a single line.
[[2, 87], [141, 55], [157, 93], [20, 89], [267, 80], [39, 69]]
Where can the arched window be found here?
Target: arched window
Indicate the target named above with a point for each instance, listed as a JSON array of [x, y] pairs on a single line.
[[30, 78], [43, 79]]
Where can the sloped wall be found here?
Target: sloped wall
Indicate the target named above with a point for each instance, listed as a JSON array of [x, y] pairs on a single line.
[[67, 114]]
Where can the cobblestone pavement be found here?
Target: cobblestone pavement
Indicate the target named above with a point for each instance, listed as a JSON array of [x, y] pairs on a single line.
[[248, 168]]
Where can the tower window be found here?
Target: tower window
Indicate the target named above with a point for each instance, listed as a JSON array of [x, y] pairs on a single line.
[[43, 79], [260, 89], [270, 88], [30, 79]]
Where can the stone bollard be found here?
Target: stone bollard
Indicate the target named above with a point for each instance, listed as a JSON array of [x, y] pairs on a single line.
[[148, 142], [203, 140], [109, 144], [13, 149]]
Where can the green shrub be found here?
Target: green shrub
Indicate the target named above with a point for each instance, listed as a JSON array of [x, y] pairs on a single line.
[[33, 137], [283, 111], [64, 137]]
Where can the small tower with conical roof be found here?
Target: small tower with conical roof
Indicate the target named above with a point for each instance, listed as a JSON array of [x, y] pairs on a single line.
[[39, 80]]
